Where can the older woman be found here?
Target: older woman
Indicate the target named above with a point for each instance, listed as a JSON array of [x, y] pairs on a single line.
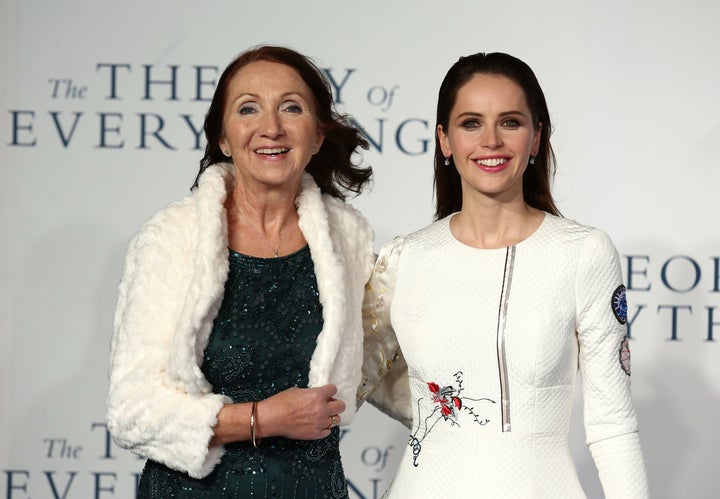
[[238, 336]]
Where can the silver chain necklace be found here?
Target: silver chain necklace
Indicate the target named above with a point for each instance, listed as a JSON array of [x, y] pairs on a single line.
[[275, 250]]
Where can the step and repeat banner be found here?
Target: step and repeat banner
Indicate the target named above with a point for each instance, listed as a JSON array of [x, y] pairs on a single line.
[[101, 115]]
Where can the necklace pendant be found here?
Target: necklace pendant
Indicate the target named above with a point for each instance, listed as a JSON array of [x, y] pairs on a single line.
[[276, 254]]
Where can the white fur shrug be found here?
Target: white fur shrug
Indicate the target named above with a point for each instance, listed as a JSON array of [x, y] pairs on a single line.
[[159, 403]]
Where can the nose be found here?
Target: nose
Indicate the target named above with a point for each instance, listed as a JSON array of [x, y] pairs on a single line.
[[491, 138], [271, 126]]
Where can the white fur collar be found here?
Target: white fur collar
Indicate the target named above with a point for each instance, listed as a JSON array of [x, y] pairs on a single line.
[[205, 279]]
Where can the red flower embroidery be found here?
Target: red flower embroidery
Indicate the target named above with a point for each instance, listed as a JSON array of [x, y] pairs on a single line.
[[449, 404], [446, 398]]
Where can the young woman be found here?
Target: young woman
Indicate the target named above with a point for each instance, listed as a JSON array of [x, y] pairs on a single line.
[[496, 307]]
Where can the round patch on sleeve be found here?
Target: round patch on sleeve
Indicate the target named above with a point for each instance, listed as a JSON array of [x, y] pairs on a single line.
[[619, 304]]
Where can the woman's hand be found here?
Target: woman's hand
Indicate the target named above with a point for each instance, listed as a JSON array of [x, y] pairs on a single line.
[[296, 413], [299, 413]]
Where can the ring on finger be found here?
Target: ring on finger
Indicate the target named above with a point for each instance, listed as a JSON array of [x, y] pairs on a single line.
[[333, 421]]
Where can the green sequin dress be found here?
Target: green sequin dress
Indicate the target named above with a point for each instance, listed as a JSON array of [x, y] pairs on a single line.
[[261, 343]]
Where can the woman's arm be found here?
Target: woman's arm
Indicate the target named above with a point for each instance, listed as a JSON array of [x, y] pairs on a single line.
[[295, 413], [610, 420], [385, 382], [147, 411]]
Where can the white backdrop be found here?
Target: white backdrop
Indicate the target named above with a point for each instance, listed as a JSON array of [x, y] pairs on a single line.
[[92, 143]]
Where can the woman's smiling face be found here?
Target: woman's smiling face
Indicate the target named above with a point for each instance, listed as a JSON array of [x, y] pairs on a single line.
[[490, 136], [270, 127]]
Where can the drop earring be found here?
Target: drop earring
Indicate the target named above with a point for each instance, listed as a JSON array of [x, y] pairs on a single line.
[[532, 160], [447, 160]]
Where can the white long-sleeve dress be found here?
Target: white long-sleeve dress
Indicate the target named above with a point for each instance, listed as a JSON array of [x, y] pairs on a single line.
[[493, 340]]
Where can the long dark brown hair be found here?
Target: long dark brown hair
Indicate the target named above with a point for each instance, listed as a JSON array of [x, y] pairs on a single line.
[[332, 166], [537, 177]]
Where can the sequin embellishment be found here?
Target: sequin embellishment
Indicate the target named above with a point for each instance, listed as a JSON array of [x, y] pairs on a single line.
[[262, 341]]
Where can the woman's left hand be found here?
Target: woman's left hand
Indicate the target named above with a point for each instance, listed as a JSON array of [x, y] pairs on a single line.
[[296, 413], [300, 413]]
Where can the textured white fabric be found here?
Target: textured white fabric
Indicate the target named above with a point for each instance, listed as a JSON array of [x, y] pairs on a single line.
[[159, 403], [384, 370], [452, 324]]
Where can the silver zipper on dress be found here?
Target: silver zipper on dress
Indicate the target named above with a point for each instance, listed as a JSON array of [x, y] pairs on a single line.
[[502, 318]]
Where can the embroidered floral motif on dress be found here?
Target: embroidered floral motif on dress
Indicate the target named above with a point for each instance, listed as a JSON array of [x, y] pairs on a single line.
[[447, 404], [625, 356]]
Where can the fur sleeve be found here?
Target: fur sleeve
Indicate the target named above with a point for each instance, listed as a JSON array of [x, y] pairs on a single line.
[[352, 240], [146, 412]]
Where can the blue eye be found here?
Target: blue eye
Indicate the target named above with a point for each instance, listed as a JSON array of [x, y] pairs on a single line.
[[511, 123], [470, 124], [293, 108]]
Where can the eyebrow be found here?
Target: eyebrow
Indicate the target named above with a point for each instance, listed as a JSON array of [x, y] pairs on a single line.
[[283, 96], [472, 114]]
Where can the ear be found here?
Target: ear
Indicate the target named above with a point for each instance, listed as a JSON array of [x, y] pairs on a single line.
[[444, 142], [319, 142], [536, 140]]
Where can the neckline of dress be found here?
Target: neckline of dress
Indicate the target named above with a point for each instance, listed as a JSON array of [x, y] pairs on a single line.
[[263, 259], [527, 240]]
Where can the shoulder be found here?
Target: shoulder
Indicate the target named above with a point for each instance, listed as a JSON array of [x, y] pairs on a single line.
[[350, 232], [418, 242], [574, 234], [344, 214], [429, 236], [166, 227], [341, 216], [591, 249], [429, 231], [565, 228], [180, 218]]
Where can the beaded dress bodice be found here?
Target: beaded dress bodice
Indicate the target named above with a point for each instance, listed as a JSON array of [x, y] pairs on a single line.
[[261, 343]]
